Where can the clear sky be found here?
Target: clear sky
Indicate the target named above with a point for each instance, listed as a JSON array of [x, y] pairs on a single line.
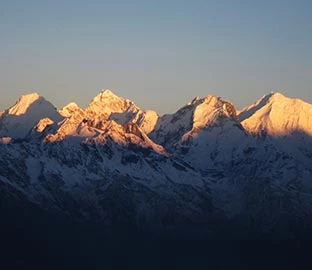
[[160, 54]]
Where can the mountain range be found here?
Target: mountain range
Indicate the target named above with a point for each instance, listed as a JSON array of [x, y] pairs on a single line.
[[197, 171]]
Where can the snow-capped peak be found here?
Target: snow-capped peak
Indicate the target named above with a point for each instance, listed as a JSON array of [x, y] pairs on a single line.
[[188, 121], [18, 120], [103, 95], [107, 92], [249, 110], [69, 109], [108, 106], [106, 102], [23, 103], [209, 109], [277, 115]]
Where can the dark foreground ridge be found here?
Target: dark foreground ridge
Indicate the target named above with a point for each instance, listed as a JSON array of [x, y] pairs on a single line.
[[35, 239]]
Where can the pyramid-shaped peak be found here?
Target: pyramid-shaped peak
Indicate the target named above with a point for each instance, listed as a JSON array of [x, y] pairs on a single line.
[[18, 120], [107, 92], [106, 102], [267, 100], [104, 95], [23, 103]]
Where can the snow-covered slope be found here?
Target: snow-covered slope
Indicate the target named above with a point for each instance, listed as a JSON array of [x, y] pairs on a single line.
[[69, 109], [187, 122], [113, 160], [277, 115], [107, 116], [108, 106], [147, 120], [285, 124], [18, 120]]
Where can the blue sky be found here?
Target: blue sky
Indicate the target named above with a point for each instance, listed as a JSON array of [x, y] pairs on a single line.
[[160, 54]]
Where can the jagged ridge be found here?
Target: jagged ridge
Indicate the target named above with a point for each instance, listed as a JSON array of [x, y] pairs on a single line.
[[200, 162]]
